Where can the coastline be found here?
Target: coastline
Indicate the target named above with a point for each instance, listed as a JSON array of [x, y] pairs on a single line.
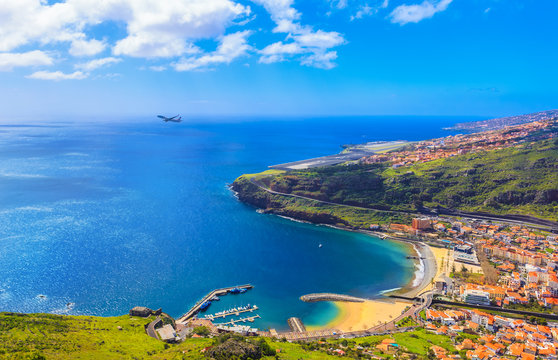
[[362, 316], [357, 316], [427, 271], [426, 265]]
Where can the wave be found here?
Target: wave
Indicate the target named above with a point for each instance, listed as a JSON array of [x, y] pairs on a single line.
[[419, 272], [389, 290], [295, 220], [22, 176]]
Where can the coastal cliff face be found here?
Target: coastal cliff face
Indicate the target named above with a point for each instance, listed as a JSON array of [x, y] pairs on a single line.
[[251, 194], [520, 181]]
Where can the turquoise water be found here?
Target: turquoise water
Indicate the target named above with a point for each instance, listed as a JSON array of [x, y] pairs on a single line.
[[107, 216]]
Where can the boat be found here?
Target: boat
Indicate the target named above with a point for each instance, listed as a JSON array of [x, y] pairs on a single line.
[[320, 245], [215, 298], [234, 291], [205, 305]]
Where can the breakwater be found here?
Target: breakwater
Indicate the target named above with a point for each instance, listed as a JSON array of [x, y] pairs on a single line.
[[330, 297], [218, 292]]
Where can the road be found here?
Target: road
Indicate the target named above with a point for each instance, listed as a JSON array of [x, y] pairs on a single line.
[[549, 224]]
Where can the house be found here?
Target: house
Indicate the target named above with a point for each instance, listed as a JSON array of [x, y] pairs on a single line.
[[167, 334], [467, 344], [387, 345], [141, 311]]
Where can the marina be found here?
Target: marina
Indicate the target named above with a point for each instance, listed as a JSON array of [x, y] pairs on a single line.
[[234, 311], [205, 302], [243, 320]]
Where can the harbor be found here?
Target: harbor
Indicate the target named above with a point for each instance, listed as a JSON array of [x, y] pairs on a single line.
[[205, 302], [233, 311], [243, 320]]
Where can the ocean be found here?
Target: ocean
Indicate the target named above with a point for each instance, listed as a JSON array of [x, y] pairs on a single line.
[[99, 216]]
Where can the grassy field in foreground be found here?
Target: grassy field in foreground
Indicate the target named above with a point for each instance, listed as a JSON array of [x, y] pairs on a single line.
[[48, 336]]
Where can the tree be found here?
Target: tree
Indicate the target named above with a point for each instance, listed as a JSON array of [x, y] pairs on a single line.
[[201, 330]]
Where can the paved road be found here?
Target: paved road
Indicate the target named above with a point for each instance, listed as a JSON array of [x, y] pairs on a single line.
[[430, 213], [151, 328]]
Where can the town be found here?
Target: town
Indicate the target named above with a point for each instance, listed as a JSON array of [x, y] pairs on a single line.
[[430, 150], [493, 293]]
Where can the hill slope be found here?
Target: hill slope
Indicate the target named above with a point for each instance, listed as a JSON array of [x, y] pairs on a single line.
[[515, 180]]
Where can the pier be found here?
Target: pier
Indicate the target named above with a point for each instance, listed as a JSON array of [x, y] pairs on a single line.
[[232, 322], [218, 292], [330, 297], [296, 325], [235, 311]]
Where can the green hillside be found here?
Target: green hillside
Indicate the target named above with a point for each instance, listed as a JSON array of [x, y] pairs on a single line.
[[47, 336], [517, 180]]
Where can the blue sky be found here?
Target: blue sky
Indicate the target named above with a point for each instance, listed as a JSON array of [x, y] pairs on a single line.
[[277, 57]]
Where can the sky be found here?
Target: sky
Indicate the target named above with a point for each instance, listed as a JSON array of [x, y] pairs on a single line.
[[277, 57]]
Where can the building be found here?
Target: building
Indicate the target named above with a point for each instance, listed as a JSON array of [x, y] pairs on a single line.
[[167, 333], [476, 297], [421, 223], [464, 249], [141, 311]]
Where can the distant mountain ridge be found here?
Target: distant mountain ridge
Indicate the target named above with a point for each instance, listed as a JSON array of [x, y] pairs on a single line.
[[499, 123]]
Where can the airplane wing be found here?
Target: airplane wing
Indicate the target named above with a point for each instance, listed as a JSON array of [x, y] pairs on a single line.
[[161, 117]]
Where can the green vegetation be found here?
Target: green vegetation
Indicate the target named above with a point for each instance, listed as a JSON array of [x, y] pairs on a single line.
[[468, 276], [406, 322], [47, 336], [533, 306], [517, 180], [201, 330], [85, 337], [416, 342]]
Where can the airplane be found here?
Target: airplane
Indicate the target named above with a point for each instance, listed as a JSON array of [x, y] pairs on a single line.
[[176, 118]]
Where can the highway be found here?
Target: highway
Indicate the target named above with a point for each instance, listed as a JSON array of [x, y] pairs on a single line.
[[540, 223]]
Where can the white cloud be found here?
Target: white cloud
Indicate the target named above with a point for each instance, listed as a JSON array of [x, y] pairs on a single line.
[[158, 68], [97, 63], [338, 4], [364, 10], [405, 14], [277, 51], [232, 46], [8, 61], [57, 75], [321, 60], [169, 29], [282, 13], [367, 10], [309, 46], [154, 28], [82, 47]]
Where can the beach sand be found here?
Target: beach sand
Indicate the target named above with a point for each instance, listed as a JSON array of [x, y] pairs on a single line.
[[355, 316], [428, 273]]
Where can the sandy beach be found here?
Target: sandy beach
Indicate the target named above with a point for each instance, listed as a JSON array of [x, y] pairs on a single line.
[[355, 316], [424, 275]]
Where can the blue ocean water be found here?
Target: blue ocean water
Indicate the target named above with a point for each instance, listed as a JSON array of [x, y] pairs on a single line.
[[109, 215]]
